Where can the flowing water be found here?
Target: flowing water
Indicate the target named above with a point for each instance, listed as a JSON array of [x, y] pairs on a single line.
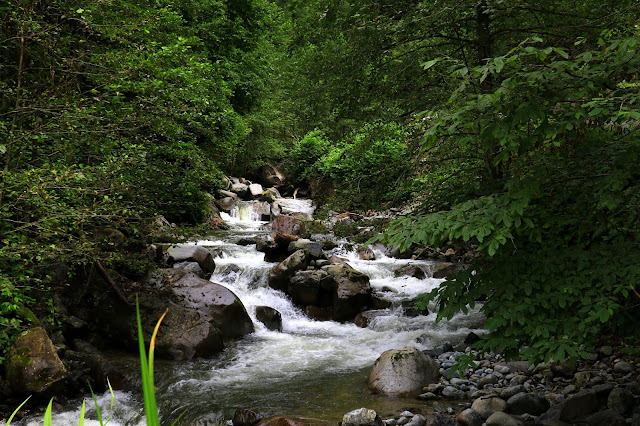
[[313, 369]]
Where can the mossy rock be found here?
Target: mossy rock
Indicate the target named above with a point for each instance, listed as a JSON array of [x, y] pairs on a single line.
[[32, 364]]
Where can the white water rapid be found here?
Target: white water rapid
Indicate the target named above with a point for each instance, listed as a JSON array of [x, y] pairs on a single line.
[[314, 369]]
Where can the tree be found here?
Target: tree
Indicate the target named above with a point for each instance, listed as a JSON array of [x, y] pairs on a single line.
[[559, 233]]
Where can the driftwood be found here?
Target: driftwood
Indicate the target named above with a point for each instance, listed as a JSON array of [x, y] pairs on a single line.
[[112, 283]]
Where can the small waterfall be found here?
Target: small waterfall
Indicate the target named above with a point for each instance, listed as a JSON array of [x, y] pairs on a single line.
[[245, 211]]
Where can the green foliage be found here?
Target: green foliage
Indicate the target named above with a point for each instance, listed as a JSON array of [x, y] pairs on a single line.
[[559, 231], [368, 166], [304, 159]]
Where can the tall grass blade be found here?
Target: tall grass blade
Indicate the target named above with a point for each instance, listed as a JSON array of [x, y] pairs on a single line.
[[81, 422], [113, 398], [16, 411], [47, 413], [95, 402], [146, 368]]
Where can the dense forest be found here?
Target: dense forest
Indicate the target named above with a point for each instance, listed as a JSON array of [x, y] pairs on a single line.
[[511, 126]]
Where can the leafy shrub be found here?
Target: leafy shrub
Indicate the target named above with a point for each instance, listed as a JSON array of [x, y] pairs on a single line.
[[369, 165], [303, 160]]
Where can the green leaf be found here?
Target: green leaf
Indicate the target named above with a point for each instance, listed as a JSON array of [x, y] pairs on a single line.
[[561, 52], [430, 63]]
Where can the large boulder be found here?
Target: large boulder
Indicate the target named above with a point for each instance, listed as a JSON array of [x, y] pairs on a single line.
[[352, 292], [32, 364], [311, 288], [216, 301], [283, 224], [280, 275], [410, 270], [402, 371], [201, 315], [184, 334], [191, 253]]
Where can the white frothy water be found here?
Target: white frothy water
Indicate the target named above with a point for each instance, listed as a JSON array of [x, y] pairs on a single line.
[[313, 368]]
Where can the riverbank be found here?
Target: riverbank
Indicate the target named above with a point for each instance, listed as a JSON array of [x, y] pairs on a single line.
[[603, 389]]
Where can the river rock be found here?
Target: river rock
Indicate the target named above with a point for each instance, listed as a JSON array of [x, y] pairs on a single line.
[[226, 310], [402, 371], [191, 253], [444, 270], [531, 403], [469, 417], [312, 247], [184, 334], [409, 309], [255, 189], [317, 313], [262, 209], [241, 190], [271, 318], [290, 421], [244, 417], [365, 253], [32, 364], [621, 400], [102, 372], [487, 405], [605, 418], [311, 288], [420, 420], [363, 319], [283, 224], [225, 193], [579, 405], [193, 267], [352, 291], [378, 302], [361, 417], [226, 203], [280, 275], [410, 270], [623, 367], [502, 419], [451, 392]]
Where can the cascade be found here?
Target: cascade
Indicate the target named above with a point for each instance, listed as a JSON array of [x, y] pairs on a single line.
[[313, 369]]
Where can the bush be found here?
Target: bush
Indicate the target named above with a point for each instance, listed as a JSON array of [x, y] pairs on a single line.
[[369, 165], [304, 159]]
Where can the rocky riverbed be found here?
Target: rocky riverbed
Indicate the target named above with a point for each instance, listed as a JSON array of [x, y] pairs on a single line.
[[601, 390], [265, 306]]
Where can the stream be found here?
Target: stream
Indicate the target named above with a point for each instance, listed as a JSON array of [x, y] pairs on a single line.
[[312, 369]]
